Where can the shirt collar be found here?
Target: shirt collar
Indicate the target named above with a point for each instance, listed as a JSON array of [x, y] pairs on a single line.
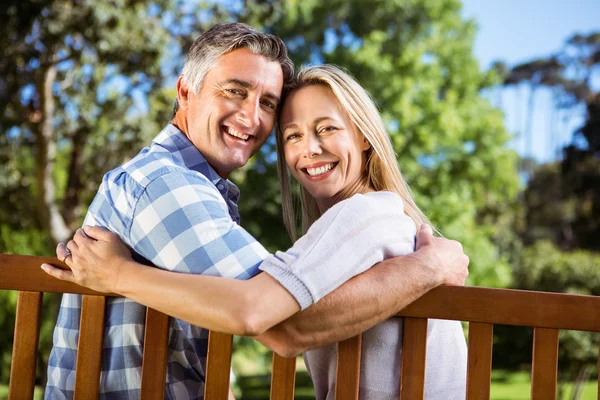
[[175, 142]]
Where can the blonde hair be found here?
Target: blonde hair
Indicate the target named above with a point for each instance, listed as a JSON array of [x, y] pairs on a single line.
[[381, 172]]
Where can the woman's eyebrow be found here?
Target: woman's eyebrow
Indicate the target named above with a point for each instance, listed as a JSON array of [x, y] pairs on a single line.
[[290, 125]]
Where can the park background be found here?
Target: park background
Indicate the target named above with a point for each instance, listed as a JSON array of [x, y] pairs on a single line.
[[493, 108]]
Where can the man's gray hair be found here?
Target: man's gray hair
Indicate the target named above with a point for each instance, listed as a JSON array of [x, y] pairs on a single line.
[[224, 38]]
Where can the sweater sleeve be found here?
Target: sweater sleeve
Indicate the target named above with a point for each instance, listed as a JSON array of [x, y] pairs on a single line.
[[347, 240]]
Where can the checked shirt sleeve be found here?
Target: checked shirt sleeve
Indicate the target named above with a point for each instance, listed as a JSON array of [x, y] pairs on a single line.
[[182, 223]]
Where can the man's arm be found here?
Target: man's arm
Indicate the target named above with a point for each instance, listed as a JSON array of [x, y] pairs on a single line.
[[371, 297]]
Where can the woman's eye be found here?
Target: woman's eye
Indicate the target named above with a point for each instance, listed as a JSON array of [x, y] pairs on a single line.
[[327, 129], [292, 137]]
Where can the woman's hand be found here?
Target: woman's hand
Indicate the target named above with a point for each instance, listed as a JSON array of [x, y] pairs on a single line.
[[96, 257]]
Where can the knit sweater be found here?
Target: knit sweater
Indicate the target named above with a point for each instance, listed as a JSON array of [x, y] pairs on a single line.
[[348, 239]]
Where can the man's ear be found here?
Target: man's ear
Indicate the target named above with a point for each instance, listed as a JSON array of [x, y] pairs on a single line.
[[182, 93]]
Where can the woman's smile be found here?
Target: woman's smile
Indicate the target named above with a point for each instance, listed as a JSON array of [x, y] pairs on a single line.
[[323, 148]]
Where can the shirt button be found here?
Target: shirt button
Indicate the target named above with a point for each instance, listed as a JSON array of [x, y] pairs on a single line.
[[220, 186]]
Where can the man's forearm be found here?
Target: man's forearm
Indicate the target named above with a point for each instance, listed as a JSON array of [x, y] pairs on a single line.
[[354, 307]]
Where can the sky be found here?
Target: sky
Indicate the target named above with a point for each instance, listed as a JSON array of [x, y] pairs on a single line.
[[515, 31]]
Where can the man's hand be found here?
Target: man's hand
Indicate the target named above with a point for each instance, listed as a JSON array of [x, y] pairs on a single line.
[[445, 257]]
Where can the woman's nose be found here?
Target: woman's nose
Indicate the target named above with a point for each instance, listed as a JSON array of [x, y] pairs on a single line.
[[312, 146]]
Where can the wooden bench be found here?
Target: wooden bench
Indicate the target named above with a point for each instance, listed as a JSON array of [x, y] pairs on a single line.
[[547, 313]]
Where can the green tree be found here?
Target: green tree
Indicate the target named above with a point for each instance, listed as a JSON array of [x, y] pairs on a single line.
[[544, 267], [415, 58], [69, 78]]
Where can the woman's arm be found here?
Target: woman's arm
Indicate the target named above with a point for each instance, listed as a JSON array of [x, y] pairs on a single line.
[[371, 297], [221, 304]]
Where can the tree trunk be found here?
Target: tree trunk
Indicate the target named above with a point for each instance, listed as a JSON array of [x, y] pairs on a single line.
[[50, 217], [74, 185], [583, 375]]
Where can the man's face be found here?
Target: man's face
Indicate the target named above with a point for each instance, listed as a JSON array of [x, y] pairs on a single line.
[[235, 110]]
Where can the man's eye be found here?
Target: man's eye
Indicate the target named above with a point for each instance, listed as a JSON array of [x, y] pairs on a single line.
[[237, 92], [268, 104]]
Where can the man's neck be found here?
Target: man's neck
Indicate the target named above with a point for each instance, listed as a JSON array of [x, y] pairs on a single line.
[[180, 121]]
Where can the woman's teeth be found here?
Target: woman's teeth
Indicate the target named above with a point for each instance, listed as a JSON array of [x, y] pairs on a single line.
[[319, 170], [237, 134]]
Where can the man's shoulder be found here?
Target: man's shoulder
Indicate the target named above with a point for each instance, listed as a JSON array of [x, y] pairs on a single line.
[[122, 187]]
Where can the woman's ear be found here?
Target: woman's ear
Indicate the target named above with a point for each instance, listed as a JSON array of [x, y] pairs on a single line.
[[182, 93], [365, 145]]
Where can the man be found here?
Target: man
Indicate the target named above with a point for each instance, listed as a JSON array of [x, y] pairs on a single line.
[[174, 207]]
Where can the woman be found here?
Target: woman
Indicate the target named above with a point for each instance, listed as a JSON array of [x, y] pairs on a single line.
[[355, 202]]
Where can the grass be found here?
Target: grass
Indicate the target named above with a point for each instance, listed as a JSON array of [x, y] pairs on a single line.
[[37, 395], [517, 386]]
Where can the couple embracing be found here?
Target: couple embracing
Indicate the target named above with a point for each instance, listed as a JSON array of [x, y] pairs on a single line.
[[164, 231]]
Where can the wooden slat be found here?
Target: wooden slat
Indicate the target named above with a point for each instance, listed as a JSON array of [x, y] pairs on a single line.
[[544, 367], [13, 268], [509, 307], [154, 364], [218, 364], [348, 368], [27, 333], [479, 366], [414, 346], [283, 378], [89, 350]]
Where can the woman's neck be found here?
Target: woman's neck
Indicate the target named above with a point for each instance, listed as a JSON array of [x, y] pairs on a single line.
[[361, 186]]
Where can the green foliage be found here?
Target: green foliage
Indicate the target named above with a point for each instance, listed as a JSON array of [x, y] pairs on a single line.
[[415, 58], [544, 267]]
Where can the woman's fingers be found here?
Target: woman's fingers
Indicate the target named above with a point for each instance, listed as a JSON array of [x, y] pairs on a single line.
[[62, 274], [98, 233]]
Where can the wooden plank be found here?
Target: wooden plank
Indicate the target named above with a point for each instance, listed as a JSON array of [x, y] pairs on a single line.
[[154, 364], [348, 368], [13, 268], [414, 346], [544, 368], [479, 366], [89, 348], [218, 365], [509, 307], [24, 357], [283, 378]]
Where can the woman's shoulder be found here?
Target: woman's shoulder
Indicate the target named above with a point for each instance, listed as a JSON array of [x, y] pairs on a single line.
[[379, 201]]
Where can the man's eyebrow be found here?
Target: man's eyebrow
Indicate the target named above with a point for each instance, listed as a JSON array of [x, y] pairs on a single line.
[[248, 85]]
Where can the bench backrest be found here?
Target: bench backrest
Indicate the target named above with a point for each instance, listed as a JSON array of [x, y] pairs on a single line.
[[481, 307]]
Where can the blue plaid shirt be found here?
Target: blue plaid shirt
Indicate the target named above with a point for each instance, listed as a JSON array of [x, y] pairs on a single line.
[[173, 210]]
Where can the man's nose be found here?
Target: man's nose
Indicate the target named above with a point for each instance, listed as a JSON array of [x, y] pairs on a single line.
[[249, 114]]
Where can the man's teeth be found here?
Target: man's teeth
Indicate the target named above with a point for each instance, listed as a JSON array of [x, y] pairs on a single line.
[[319, 170], [237, 134]]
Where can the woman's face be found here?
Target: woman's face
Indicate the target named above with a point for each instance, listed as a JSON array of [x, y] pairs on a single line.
[[323, 148]]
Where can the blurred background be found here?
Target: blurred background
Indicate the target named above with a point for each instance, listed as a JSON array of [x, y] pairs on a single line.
[[493, 108]]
